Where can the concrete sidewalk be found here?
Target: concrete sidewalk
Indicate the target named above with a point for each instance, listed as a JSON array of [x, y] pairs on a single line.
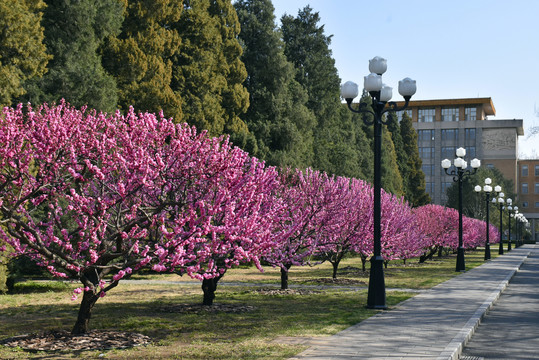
[[435, 324]]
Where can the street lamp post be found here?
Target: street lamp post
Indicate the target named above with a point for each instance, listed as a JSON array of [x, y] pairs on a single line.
[[509, 212], [517, 222], [487, 189], [380, 95], [500, 202], [458, 173]]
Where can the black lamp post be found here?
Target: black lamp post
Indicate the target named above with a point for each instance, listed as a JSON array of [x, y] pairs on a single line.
[[517, 233], [459, 172], [500, 202], [520, 220], [380, 95], [510, 215], [487, 189]]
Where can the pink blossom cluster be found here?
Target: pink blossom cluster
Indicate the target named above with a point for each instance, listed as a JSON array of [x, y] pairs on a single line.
[[88, 195], [440, 225]]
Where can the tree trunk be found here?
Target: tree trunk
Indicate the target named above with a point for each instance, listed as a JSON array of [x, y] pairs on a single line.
[[284, 278], [363, 263], [85, 312], [208, 288], [441, 251], [427, 256]]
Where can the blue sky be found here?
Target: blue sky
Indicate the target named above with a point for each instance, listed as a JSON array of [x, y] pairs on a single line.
[[453, 49]]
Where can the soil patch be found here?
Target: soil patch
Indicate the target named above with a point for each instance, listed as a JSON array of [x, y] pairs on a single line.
[[269, 291], [65, 341], [337, 281], [199, 308]]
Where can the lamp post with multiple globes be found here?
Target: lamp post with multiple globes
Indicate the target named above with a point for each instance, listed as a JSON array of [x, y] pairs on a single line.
[[500, 200], [459, 172], [380, 95], [510, 215], [487, 189]]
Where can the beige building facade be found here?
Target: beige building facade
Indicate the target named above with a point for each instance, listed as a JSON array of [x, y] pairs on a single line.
[[444, 125]]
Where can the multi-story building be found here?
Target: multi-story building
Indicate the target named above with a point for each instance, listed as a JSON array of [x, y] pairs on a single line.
[[444, 125], [528, 193]]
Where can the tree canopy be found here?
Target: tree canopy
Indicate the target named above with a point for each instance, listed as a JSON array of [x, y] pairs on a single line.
[[23, 54]]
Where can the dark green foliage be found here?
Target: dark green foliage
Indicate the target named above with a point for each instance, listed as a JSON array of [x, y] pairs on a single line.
[[140, 57], [208, 71], [393, 127], [414, 178], [391, 176], [277, 114], [74, 32], [336, 136], [22, 52]]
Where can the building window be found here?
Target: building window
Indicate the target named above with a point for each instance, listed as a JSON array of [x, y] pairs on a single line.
[[469, 135], [490, 166], [402, 112], [524, 188], [425, 135], [426, 115], [450, 114], [450, 135], [536, 190], [426, 153], [448, 152], [470, 114], [470, 152], [536, 170], [537, 204], [524, 204], [524, 170]]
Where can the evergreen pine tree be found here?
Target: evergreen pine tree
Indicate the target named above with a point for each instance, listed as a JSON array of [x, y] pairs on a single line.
[[22, 52], [277, 115], [140, 57], [391, 176], [208, 71], [335, 136], [415, 192], [74, 32], [402, 157]]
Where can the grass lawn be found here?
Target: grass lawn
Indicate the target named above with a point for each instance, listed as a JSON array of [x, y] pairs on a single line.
[[267, 329]]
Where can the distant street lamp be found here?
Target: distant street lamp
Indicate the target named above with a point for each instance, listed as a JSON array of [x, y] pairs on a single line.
[[487, 189], [500, 202], [517, 222], [509, 216], [458, 173], [521, 222], [380, 95]]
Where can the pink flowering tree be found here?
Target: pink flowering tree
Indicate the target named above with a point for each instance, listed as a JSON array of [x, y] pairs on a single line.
[[351, 222], [439, 226], [308, 198], [220, 211], [89, 196], [400, 237]]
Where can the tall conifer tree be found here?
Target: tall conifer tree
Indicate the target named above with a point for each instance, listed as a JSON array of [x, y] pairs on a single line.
[[208, 71], [141, 57], [277, 114], [74, 32], [415, 192], [22, 52], [307, 47]]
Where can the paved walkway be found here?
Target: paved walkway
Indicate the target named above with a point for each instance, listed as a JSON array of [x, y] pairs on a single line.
[[434, 324], [510, 329]]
